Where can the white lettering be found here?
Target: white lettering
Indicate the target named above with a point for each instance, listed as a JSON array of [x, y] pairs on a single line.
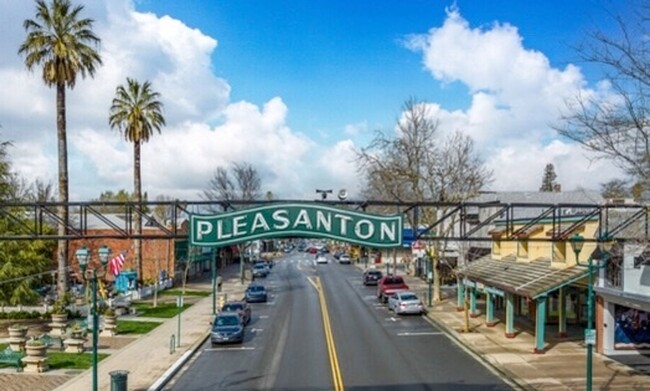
[[220, 233], [370, 229], [259, 222], [302, 219], [237, 223], [387, 231], [281, 219], [344, 223], [324, 221], [203, 228]]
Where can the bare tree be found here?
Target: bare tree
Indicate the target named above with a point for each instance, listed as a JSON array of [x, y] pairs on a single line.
[[248, 181], [418, 164], [242, 182], [617, 127]]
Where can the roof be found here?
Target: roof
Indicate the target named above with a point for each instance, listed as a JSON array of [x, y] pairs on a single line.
[[530, 279]]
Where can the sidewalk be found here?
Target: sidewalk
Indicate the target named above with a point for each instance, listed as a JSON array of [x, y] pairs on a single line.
[[149, 357], [561, 367]]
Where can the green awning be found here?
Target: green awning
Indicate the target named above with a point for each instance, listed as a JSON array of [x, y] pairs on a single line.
[[529, 279]]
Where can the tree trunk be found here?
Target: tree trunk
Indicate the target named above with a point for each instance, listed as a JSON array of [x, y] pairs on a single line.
[[137, 187], [62, 227]]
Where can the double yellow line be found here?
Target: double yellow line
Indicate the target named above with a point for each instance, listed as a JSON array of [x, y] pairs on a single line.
[[337, 380]]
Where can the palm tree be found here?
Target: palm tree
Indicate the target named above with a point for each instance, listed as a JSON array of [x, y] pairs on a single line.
[[136, 112], [64, 45]]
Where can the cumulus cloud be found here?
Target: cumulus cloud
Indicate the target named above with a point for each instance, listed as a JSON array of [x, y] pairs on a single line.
[[515, 95]]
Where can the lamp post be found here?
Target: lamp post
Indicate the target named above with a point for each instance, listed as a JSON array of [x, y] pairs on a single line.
[[83, 257], [577, 242]]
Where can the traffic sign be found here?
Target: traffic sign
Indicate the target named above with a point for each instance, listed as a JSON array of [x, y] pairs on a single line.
[[590, 336]]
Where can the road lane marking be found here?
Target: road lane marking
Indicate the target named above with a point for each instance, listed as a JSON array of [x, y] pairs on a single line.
[[337, 380], [263, 316], [233, 349], [416, 334]]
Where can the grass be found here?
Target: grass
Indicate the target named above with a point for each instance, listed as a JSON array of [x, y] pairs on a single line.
[[176, 292], [60, 360], [133, 327], [163, 310]]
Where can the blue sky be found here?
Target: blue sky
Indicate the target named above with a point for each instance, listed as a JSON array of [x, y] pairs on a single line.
[[295, 87]]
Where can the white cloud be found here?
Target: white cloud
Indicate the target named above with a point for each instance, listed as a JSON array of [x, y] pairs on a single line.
[[515, 96]]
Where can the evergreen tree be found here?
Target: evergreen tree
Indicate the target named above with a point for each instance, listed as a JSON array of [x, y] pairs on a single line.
[[548, 181]]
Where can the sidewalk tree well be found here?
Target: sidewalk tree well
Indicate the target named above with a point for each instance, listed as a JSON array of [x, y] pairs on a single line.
[[421, 161]]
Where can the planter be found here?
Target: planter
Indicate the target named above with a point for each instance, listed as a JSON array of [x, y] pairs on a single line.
[[59, 318], [37, 350], [17, 332], [110, 326]]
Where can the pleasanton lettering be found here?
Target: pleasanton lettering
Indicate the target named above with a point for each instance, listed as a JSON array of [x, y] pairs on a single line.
[[295, 219]]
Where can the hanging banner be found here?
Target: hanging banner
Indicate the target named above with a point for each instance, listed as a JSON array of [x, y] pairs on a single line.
[[296, 220]]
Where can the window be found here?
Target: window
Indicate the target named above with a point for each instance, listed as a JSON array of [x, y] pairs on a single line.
[[522, 249], [559, 252], [614, 272]]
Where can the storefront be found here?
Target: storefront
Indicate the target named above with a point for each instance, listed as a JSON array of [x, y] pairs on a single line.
[[626, 322]]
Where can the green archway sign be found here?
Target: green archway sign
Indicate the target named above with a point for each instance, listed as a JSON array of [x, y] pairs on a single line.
[[296, 219]]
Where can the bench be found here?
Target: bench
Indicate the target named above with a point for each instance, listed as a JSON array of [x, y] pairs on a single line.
[[8, 356], [50, 341]]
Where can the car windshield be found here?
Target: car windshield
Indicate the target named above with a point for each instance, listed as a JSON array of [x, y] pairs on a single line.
[[408, 297], [258, 288], [227, 321], [374, 273], [259, 266], [232, 307]]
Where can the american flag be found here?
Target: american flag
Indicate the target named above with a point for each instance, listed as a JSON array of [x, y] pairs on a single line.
[[115, 264]]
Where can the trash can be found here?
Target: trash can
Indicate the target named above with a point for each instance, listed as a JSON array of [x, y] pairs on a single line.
[[119, 380]]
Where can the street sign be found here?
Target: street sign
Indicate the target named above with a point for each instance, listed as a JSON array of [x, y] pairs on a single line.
[[296, 219], [590, 336]]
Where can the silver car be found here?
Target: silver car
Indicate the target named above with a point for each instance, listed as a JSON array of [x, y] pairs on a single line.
[[405, 302]]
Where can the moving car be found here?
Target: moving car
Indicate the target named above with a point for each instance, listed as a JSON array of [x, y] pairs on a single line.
[[345, 258], [371, 277], [405, 302], [255, 293], [239, 306], [321, 259], [227, 328]]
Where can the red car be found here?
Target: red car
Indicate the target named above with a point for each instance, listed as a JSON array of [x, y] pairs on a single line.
[[389, 285], [312, 250]]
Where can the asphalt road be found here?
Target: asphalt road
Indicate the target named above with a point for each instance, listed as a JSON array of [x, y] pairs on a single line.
[[286, 345]]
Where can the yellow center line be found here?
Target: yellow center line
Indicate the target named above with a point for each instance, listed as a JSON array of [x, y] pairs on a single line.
[[337, 380]]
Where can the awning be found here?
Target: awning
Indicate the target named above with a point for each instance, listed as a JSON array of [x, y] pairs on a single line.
[[529, 279]]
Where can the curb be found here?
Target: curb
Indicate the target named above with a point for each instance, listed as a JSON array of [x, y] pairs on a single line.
[[505, 375], [173, 370]]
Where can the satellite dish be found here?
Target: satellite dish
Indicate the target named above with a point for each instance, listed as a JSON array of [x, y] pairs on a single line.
[[343, 194]]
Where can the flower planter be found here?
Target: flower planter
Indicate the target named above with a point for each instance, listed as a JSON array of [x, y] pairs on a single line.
[[17, 332], [37, 350]]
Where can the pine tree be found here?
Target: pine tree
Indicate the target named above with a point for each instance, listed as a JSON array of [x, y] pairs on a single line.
[[548, 181]]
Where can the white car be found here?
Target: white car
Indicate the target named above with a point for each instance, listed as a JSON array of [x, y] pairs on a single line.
[[321, 259], [405, 302], [344, 258]]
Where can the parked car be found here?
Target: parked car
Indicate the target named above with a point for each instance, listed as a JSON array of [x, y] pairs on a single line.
[[389, 285], [345, 258], [312, 250], [405, 302], [371, 277], [321, 259], [239, 306], [227, 327], [260, 269], [256, 293]]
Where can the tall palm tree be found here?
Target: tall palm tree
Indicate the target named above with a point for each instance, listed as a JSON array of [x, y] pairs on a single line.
[[136, 112], [64, 45]]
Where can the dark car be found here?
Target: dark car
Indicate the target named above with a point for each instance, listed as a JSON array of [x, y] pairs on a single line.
[[241, 307], [256, 294], [371, 277], [227, 328]]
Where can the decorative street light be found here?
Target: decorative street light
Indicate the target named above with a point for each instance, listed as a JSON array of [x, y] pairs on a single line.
[[83, 257], [577, 242]]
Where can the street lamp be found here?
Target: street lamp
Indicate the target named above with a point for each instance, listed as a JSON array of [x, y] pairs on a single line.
[[577, 242], [324, 193], [83, 257]]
